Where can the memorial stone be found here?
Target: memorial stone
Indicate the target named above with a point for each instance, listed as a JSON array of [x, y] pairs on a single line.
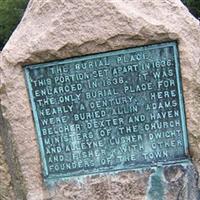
[[92, 101]]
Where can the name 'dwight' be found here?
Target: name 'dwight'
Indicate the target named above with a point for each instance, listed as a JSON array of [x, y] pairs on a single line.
[[110, 111]]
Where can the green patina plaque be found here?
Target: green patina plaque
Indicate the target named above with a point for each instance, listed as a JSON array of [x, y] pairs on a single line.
[[110, 111]]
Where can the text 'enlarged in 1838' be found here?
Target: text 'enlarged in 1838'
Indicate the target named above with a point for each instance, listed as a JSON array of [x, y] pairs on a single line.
[[109, 111]]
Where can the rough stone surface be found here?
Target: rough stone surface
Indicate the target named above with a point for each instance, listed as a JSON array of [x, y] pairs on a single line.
[[6, 192], [55, 29], [11, 172]]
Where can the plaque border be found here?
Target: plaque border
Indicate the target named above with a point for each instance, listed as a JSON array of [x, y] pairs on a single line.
[[111, 169]]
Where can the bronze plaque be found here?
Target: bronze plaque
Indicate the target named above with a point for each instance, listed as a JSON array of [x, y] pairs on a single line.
[[110, 111]]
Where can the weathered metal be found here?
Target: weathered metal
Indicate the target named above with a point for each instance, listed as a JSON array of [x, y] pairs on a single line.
[[110, 111]]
